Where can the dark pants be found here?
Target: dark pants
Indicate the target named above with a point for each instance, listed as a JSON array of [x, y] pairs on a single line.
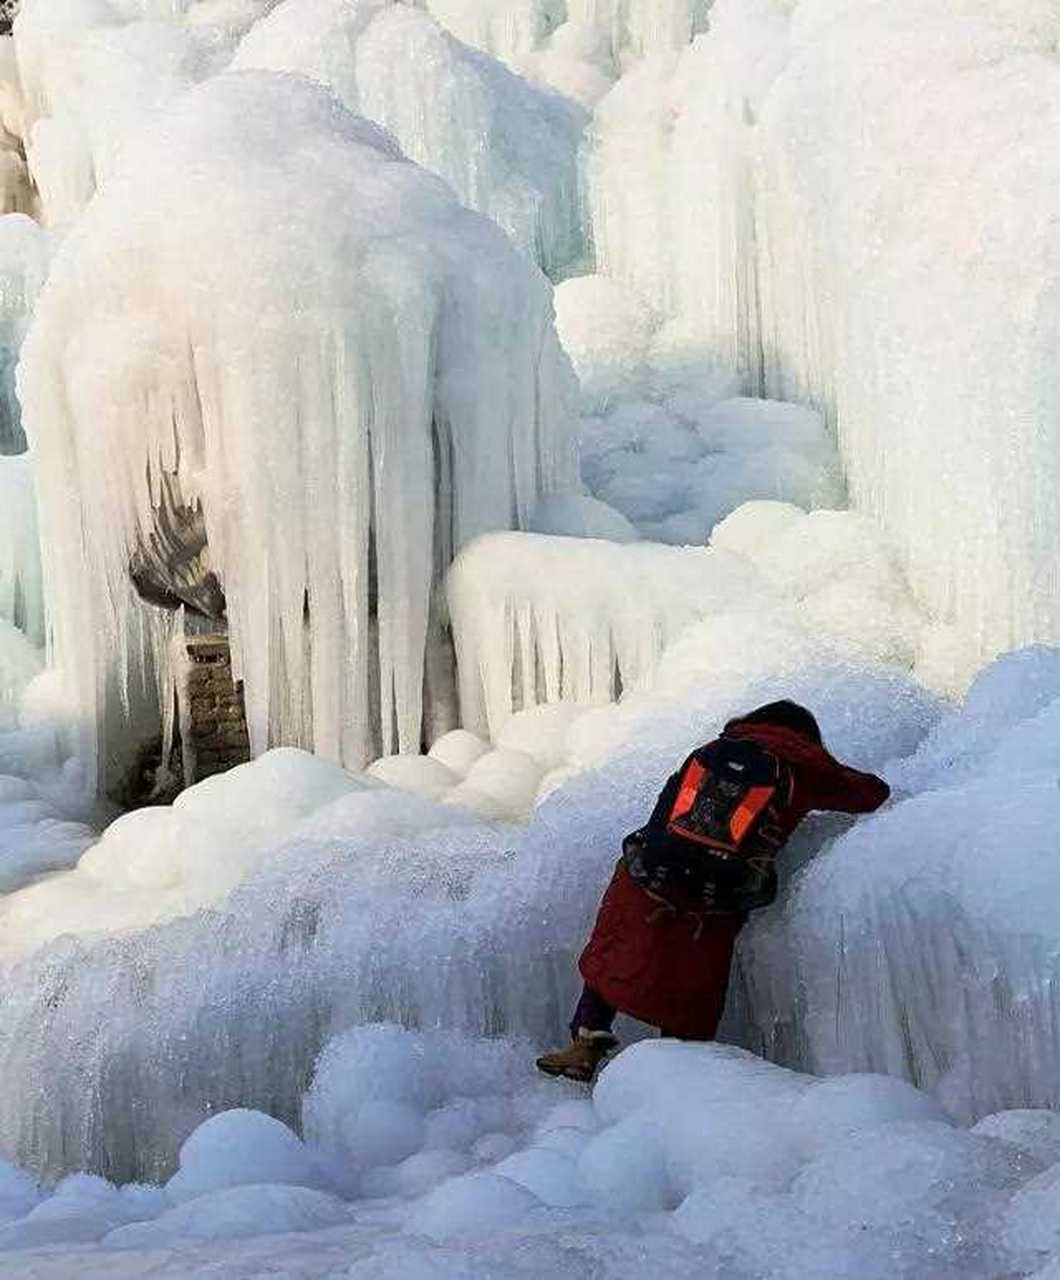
[[593, 1013]]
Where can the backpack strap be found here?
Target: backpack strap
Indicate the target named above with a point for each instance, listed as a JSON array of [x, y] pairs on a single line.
[[749, 809], [688, 789]]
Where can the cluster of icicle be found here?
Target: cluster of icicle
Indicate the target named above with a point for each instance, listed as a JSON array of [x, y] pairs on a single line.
[[86, 79], [351, 374], [508, 148], [21, 586], [762, 188], [542, 619]]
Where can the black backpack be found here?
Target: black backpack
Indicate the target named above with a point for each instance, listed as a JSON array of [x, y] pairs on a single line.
[[719, 841]]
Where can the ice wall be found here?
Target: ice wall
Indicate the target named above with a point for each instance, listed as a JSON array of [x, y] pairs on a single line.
[[908, 290], [671, 181], [922, 943], [367, 904], [353, 390], [763, 187], [509, 150]]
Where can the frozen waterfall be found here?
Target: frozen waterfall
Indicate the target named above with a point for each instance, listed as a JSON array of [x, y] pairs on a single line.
[[358, 904], [509, 149], [352, 390], [762, 188], [296, 367]]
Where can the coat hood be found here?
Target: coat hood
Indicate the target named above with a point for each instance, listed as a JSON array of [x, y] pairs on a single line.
[[786, 743]]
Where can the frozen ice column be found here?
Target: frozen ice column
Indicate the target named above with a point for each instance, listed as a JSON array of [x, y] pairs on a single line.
[[350, 372]]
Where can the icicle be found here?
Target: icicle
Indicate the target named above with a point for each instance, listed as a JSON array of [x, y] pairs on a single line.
[[306, 379], [509, 150]]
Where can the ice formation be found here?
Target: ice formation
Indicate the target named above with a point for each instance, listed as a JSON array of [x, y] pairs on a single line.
[[956, 888], [91, 74], [733, 187], [262, 313], [578, 46], [351, 394], [21, 587], [677, 465], [23, 266], [428, 1150], [509, 150], [543, 620], [337, 902]]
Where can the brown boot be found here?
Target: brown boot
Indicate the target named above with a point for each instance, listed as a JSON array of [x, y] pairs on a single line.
[[582, 1059]]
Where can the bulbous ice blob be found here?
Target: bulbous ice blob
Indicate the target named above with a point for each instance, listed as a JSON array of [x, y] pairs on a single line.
[[240, 1148], [458, 750]]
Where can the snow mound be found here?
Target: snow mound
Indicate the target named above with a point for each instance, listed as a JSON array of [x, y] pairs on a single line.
[[155, 863], [606, 329], [278, 360], [240, 1148], [235, 1212], [458, 750], [403, 1111]]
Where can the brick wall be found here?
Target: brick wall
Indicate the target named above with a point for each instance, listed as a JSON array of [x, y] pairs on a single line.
[[213, 722]]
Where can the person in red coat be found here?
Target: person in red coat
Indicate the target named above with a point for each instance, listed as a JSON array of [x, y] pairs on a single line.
[[662, 954]]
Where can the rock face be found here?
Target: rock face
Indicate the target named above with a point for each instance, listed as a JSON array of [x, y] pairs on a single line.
[[213, 722], [171, 565]]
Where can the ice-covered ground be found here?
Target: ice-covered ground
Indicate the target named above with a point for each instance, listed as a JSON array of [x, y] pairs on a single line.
[[436, 1155], [421, 916]]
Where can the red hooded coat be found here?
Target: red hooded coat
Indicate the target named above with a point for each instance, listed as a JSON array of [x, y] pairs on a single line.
[[670, 967]]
